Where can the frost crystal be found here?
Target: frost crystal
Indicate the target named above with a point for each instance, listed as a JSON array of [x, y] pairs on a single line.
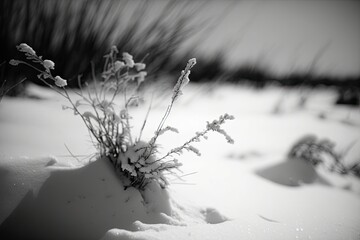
[[215, 126], [23, 47], [192, 61], [168, 128], [14, 62], [118, 65], [183, 79], [48, 64], [186, 79], [128, 59], [60, 82], [141, 76], [194, 150], [140, 66]]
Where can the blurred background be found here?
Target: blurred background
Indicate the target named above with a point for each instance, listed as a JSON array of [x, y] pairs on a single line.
[[257, 43]]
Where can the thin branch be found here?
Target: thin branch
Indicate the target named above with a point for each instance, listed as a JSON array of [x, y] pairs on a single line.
[[145, 120], [71, 153], [3, 92]]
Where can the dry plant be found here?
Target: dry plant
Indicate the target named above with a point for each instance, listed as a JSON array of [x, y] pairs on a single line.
[[322, 152], [109, 125]]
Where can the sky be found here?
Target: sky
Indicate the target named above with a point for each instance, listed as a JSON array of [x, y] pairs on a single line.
[[285, 36]]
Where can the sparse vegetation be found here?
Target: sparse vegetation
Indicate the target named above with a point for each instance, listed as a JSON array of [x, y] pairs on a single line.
[[322, 152], [110, 125], [75, 33]]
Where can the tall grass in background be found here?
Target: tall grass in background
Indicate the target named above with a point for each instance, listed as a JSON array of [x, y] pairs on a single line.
[[77, 33], [62, 30], [158, 39]]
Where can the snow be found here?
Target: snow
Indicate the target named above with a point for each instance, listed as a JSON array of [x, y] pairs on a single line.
[[82, 203], [248, 190]]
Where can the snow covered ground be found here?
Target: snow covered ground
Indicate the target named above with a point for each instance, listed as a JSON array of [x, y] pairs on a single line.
[[248, 190]]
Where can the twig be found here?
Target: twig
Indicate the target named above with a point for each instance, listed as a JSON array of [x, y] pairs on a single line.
[[71, 153], [145, 120], [3, 92]]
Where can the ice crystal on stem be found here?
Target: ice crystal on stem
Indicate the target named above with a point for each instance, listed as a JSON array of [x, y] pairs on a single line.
[[183, 79], [60, 82], [140, 66], [48, 64], [128, 59], [23, 47]]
